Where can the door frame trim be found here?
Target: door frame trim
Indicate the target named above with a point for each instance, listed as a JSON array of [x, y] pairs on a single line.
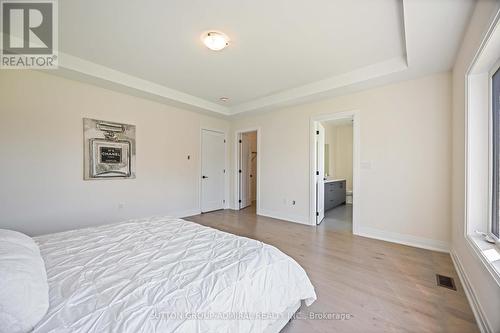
[[237, 134], [200, 167], [356, 164]]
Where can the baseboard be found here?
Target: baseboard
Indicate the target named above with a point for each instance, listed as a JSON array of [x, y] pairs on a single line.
[[186, 213], [481, 320], [285, 217], [420, 242]]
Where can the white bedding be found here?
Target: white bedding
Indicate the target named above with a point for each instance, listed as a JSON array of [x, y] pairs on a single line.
[[155, 275]]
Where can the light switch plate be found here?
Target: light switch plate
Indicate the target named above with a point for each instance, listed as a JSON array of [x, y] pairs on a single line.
[[366, 165]]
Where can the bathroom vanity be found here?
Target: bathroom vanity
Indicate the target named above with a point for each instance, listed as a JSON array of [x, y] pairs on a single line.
[[335, 193]]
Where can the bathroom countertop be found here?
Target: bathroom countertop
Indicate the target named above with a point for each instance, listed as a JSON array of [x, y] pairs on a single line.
[[334, 180]]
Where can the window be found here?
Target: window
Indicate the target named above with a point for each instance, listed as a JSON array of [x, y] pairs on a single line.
[[495, 117], [482, 196]]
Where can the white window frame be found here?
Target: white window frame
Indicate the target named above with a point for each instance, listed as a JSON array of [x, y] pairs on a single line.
[[492, 71], [479, 150]]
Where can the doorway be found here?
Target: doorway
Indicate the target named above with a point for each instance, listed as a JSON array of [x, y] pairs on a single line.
[[334, 189], [247, 187], [213, 160]]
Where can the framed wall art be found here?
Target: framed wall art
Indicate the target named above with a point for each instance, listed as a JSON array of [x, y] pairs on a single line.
[[109, 150]]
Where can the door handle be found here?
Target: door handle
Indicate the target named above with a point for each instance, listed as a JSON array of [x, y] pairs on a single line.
[[204, 177]]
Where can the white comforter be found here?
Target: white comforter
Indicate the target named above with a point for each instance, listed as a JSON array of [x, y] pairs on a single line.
[[165, 275]]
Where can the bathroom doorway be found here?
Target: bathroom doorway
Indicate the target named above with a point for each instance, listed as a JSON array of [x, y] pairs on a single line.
[[335, 164]]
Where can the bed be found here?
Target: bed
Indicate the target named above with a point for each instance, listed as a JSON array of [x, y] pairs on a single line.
[[167, 275]]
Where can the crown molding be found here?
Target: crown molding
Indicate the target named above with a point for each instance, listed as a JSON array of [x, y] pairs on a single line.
[[83, 70], [359, 75], [80, 69], [73, 66]]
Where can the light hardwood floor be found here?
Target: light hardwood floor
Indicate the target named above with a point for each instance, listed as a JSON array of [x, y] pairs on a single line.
[[386, 287]]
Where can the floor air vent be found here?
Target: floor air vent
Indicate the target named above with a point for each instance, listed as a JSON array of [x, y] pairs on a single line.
[[445, 281]]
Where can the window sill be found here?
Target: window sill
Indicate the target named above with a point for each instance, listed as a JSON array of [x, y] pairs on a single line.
[[488, 253]]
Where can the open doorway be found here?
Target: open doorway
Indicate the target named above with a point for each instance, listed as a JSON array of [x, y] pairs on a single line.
[[335, 164], [248, 157]]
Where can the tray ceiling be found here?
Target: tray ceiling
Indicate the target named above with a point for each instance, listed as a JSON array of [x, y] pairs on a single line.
[[280, 53]]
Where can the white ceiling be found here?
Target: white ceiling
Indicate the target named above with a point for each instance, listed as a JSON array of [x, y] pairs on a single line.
[[281, 52]]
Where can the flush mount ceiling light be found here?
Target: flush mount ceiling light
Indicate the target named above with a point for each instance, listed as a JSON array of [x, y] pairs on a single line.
[[215, 40], [224, 99]]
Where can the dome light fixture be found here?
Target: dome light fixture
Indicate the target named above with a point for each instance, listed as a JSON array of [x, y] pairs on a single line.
[[224, 99], [215, 41]]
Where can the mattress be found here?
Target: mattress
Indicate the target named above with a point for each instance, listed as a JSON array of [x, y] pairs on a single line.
[[166, 275]]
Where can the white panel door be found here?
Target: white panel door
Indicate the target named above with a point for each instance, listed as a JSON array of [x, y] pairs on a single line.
[[212, 170], [320, 174], [245, 196]]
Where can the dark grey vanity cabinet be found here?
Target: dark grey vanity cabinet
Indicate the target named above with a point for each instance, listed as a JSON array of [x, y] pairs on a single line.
[[335, 193]]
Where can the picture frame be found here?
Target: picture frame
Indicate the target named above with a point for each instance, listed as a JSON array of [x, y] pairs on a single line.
[[109, 150]]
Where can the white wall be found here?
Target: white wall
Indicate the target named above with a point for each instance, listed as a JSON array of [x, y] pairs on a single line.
[[339, 140], [486, 290], [41, 155], [405, 135], [405, 193]]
